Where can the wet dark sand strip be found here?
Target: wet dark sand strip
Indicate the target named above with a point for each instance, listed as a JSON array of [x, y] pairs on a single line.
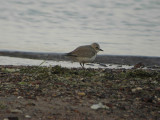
[[109, 59]]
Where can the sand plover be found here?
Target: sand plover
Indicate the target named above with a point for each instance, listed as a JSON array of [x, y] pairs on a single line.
[[85, 54]]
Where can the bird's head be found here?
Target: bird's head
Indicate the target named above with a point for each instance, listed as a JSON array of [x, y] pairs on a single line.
[[96, 47]]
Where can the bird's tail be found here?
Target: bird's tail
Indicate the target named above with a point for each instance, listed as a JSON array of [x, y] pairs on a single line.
[[70, 55]]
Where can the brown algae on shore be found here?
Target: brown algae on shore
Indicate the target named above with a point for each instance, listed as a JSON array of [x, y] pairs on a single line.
[[126, 92]]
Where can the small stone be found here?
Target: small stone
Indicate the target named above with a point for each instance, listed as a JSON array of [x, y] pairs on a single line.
[[98, 106], [16, 111], [81, 93], [154, 82], [136, 89], [19, 97], [15, 93], [27, 116]]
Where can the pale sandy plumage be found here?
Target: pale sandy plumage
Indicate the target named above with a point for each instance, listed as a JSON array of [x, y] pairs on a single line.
[[85, 54]]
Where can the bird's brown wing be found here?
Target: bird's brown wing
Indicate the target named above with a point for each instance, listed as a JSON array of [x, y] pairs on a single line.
[[83, 51]]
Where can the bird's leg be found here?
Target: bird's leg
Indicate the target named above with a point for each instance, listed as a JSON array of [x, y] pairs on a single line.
[[82, 65]]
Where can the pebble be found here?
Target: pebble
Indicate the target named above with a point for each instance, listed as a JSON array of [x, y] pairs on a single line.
[[98, 106], [16, 111], [27, 116], [19, 97], [81, 94], [136, 89], [154, 82]]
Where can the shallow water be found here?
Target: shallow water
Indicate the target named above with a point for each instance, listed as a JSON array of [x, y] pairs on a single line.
[[32, 62], [120, 27]]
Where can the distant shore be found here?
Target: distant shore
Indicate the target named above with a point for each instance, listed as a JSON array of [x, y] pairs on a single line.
[[109, 59]]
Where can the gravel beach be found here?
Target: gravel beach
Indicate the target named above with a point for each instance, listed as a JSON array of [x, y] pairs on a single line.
[[57, 93]]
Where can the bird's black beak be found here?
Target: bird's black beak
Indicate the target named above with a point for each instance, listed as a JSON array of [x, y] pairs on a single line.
[[100, 49]]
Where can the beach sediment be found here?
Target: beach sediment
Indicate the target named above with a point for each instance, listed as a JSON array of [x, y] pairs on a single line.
[[62, 93]]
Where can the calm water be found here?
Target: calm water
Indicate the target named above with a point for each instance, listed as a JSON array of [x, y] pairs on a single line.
[[121, 27]]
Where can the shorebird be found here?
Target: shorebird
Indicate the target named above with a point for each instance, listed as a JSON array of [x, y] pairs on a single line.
[[85, 54]]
